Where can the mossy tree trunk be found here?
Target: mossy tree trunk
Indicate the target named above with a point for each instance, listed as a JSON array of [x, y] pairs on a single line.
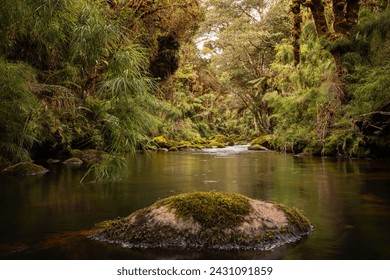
[[317, 9], [296, 34], [345, 15], [340, 21]]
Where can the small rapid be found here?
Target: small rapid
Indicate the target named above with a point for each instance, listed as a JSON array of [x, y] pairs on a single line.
[[230, 150]]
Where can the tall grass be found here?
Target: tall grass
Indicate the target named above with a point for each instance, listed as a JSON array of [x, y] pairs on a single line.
[[17, 107]]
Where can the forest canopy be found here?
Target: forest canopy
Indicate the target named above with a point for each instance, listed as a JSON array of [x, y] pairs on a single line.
[[308, 76]]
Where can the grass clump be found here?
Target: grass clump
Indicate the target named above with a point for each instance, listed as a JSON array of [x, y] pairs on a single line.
[[210, 209]]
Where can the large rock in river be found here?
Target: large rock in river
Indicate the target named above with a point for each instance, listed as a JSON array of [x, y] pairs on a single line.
[[25, 169], [210, 220]]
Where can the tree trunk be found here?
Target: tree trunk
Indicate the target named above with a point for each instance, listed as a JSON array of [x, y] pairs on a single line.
[[318, 12], [340, 22], [296, 34], [345, 15]]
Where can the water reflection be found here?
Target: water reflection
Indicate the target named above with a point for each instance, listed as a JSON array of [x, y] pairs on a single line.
[[348, 202]]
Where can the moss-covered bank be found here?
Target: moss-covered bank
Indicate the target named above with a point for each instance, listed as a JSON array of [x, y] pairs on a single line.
[[207, 220], [198, 143]]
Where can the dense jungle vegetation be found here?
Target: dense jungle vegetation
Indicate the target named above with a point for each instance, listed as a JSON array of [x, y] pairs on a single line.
[[119, 76]]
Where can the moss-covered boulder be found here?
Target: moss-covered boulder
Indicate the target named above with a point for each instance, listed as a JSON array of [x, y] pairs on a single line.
[[267, 141], [207, 220], [185, 145], [162, 142], [239, 139], [201, 141], [25, 169], [227, 141], [215, 144], [173, 149]]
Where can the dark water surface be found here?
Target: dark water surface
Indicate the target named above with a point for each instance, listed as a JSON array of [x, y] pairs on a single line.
[[348, 202]]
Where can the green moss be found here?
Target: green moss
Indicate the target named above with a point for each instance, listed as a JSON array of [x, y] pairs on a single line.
[[107, 223], [210, 209], [201, 141], [267, 141], [25, 169], [255, 135], [359, 149], [203, 219], [295, 218], [182, 145], [239, 139], [151, 148], [214, 143], [162, 142], [227, 141], [76, 153], [257, 147], [331, 147]]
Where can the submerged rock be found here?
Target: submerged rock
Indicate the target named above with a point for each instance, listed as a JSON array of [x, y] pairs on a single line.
[[90, 157], [73, 161], [52, 161], [25, 169], [208, 220]]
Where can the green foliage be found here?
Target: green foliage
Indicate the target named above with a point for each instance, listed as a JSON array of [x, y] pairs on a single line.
[[110, 169], [240, 39], [17, 111], [268, 141], [369, 73], [84, 82], [306, 112], [370, 89]]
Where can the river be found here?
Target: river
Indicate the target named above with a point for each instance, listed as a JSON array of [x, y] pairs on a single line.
[[348, 202]]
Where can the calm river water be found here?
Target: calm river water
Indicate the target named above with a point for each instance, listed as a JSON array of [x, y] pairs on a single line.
[[348, 202]]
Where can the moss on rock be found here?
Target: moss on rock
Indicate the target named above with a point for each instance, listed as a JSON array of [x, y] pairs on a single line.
[[267, 141], [210, 220], [257, 147], [227, 141], [209, 209], [73, 161], [162, 142], [332, 146], [201, 141], [185, 145], [215, 144], [25, 169]]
